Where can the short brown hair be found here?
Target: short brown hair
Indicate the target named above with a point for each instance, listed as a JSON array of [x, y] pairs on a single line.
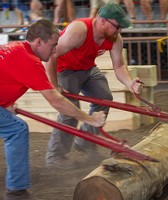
[[42, 28]]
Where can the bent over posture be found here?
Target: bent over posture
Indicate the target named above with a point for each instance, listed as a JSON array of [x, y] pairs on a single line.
[[80, 43], [21, 69]]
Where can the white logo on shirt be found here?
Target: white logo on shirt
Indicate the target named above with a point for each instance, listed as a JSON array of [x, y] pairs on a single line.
[[101, 52]]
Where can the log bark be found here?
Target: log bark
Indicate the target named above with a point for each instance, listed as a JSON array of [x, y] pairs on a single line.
[[130, 179]]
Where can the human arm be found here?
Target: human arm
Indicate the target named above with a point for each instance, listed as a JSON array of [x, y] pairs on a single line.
[[120, 68], [51, 72], [73, 37], [64, 106]]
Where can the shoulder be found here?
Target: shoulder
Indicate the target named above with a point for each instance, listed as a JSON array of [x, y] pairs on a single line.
[[77, 25], [118, 40], [117, 45], [75, 29]]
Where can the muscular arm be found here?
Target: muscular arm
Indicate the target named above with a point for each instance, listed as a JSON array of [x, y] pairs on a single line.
[[73, 37], [51, 72], [65, 107], [120, 68]]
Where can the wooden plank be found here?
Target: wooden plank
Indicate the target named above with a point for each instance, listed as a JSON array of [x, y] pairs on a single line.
[[131, 123], [118, 119], [147, 73], [104, 61], [38, 127], [148, 94], [34, 102], [114, 83]]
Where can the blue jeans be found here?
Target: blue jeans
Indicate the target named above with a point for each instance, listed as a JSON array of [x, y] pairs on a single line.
[[14, 131]]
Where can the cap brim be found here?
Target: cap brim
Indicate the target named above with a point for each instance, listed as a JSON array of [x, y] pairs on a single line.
[[124, 22]]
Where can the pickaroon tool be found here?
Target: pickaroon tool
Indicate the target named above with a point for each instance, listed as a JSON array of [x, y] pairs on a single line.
[[114, 144], [120, 106]]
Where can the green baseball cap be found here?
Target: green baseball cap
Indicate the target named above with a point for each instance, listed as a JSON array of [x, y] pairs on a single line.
[[114, 11]]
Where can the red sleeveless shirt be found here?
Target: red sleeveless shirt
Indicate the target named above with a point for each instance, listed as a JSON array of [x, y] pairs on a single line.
[[83, 58]]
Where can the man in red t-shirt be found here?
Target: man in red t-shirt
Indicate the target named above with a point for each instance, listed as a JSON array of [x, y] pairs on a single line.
[[21, 69], [80, 43]]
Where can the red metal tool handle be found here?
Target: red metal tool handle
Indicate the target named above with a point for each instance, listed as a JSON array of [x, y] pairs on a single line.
[[110, 137], [113, 145], [118, 105], [154, 107]]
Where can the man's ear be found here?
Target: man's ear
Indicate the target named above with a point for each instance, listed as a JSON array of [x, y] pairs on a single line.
[[102, 20], [39, 41]]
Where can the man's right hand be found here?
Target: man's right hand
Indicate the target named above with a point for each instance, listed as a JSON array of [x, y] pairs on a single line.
[[98, 119]]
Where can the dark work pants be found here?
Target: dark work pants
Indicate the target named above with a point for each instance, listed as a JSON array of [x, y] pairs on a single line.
[[90, 83]]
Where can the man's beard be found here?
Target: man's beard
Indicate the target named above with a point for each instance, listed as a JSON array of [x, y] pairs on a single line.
[[111, 38]]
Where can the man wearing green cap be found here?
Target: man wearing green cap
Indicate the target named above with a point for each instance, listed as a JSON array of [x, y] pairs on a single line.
[[115, 12], [74, 65]]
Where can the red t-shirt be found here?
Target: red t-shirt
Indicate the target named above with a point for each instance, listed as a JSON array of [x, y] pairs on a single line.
[[83, 58], [20, 69]]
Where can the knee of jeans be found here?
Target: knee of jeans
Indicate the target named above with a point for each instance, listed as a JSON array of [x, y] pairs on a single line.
[[23, 126], [108, 96]]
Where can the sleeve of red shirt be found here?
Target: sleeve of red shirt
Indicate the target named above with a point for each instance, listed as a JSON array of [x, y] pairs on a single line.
[[33, 76]]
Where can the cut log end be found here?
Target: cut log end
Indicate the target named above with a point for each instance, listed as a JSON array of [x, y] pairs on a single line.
[[127, 179], [96, 188]]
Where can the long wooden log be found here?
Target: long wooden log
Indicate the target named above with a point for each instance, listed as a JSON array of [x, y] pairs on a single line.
[[121, 179]]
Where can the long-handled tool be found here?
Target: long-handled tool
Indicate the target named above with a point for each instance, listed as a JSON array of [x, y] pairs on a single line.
[[154, 107], [149, 104], [115, 145], [121, 106]]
